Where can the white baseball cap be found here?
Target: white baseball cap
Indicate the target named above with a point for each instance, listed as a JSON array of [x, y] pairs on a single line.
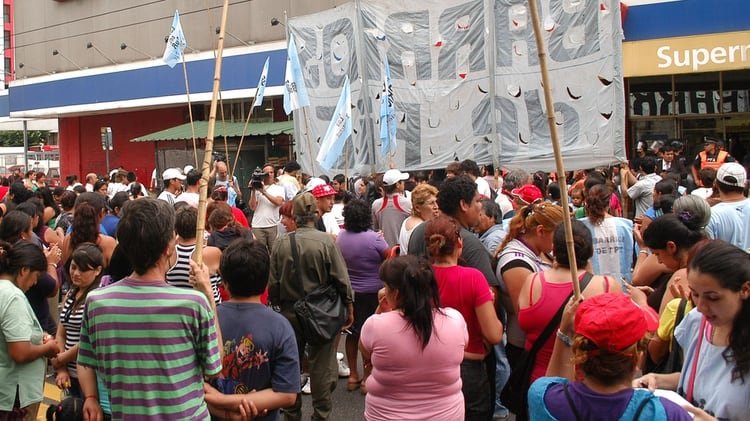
[[392, 177], [171, 173], [732, 174]]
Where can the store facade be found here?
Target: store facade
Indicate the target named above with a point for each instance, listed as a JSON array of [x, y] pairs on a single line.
[[687, 69]]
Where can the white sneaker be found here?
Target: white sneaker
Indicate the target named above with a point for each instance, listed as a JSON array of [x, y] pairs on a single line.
[[306, 386], [343, 369]]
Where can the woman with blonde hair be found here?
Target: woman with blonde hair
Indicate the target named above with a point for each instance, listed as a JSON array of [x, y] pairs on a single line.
[[423, 208], [525, 250]]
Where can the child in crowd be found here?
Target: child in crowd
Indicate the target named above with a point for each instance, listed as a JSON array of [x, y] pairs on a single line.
[[576, 198], [260, 363]]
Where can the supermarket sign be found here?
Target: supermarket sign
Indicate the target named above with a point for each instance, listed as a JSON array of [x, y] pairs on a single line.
[[692, 54]]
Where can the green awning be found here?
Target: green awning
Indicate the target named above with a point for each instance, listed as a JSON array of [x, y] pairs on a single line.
[[184, 132]]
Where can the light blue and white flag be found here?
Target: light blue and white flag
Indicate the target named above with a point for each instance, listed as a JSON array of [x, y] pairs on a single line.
[[261, 85], [295, 92], [176, 42], [387, 114], [338, 131]]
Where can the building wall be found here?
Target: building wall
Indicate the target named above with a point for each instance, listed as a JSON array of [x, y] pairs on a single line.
[[82, 151], [68, 26]]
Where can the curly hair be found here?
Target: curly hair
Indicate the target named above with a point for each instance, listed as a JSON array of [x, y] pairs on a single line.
[[730, 266], [89, 209], [419, 196], [453, 191], [609, 368], [357, 216]]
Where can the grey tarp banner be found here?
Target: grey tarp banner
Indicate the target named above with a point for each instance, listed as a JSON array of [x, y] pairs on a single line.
[[466, 82]]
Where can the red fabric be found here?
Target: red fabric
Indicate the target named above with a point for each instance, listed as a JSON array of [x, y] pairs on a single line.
[[464, 289], [240, 217], [534, 319]]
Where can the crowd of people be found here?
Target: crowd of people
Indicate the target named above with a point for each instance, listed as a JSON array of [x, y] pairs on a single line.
[[465, 270]]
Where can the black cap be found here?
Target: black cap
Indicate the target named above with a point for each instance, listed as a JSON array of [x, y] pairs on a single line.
[[708, 139], [292, 166]]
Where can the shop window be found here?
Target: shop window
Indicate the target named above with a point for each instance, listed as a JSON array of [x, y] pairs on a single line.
[[697, 93], [650, 96], [736, 91]]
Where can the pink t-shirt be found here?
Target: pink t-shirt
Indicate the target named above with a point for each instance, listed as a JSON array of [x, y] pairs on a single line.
[[464, 289], [409, 382]]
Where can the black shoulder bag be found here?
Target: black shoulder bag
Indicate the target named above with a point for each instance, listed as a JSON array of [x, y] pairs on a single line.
[[515, 394], [320, 313]]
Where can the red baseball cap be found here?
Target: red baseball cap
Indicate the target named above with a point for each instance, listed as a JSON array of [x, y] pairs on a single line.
[[614, 322], [528, 193], [323, 190]]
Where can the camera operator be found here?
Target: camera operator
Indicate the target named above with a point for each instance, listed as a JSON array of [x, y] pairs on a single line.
[[266, 197], [220, 177]]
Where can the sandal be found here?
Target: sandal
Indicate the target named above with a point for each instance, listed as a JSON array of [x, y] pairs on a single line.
[[352, 386]]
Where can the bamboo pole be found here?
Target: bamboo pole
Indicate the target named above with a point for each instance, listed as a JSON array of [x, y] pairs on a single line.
[[542, 50], [201, 227], [190, 109]]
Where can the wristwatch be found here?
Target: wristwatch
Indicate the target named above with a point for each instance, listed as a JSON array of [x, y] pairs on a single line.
[[564, 338]]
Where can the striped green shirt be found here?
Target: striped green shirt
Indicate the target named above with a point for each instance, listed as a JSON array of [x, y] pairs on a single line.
[[151, 344]]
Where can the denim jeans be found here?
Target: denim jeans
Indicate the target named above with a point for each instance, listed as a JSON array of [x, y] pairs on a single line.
[[502, 373]]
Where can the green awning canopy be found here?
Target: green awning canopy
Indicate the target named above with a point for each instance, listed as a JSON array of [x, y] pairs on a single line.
[[184, 132]]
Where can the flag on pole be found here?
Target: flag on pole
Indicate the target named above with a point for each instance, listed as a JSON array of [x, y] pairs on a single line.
[[261, 85], [295, 92], [338, 131], [387, 114], [176, 42]]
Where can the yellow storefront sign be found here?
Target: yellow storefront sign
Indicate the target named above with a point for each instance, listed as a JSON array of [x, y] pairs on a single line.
[[692, 54]]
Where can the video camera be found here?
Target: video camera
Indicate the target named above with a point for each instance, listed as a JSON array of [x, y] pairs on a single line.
[[256, 182]]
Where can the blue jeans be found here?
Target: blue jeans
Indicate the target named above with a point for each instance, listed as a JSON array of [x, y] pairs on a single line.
[[502, 373]]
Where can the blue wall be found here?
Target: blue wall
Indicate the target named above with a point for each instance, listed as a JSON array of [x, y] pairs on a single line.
[[686, 17]]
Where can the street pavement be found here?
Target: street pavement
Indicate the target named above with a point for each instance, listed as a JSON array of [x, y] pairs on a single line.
[[346, 405]]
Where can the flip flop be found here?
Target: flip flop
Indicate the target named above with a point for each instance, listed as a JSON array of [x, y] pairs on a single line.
[[352, 386]]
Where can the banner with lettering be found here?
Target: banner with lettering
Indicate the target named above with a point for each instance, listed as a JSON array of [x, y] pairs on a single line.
[[466, 82]]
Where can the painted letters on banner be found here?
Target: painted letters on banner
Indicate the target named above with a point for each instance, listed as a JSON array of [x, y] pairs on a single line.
[[466, 82]]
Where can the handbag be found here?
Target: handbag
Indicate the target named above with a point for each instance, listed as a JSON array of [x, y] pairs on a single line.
[[320, 313], [515, 394]]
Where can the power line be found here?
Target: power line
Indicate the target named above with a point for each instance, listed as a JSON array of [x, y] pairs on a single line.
[[83, 34]]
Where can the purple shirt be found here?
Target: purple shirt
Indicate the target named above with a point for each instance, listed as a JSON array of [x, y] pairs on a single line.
[[363, 253], [596, 406]]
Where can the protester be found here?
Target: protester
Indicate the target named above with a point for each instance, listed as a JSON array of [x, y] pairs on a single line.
[[86, 265], [173, 329], [24, 343], [545, 292], [608, 341], [731, 216], [260, 360], [363, 250], [423, 208], [415, 350], [466, 290], [320, 262], [714, 335], [390, 211]]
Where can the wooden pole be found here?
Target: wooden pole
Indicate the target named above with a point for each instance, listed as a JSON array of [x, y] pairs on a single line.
[[190, 109], [542, 50], [239, 147], [307, 140], [201, 227]]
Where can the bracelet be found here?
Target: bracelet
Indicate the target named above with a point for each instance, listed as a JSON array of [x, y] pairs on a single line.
[[92, 397], [564, 338]]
